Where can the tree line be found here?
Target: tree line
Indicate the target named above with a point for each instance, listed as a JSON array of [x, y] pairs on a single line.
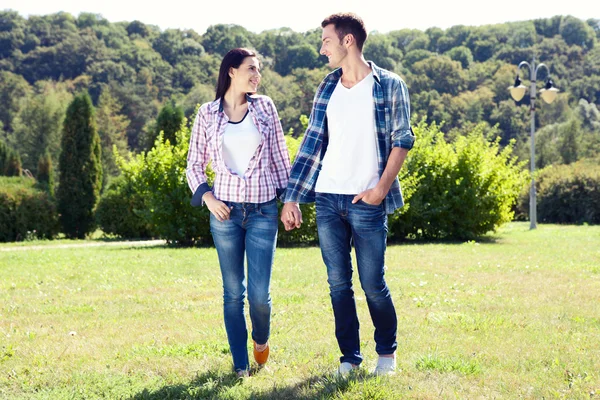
[[135, 73]]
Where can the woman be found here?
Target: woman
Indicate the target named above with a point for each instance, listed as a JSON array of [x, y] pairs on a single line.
[[241, 133]]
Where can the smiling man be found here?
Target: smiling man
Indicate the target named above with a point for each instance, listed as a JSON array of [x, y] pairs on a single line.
[[357, 139]]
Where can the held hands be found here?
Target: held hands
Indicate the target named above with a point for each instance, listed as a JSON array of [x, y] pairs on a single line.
[[373, 197], [216, 207], [291, 216]]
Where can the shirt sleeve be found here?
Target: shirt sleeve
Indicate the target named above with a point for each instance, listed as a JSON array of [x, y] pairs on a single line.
[[303, 167], [198, 158], [280, 157], [402, 133]]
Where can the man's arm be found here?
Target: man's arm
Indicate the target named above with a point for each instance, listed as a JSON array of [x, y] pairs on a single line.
[[402, 139]]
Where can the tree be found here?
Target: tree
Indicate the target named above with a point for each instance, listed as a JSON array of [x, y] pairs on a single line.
[[169, 122], [221, 38], [80, 169], [379, 48], [10, 162], [37, 126], [12, 35], [462, 54], [45, 173], [577, 32], [409, 39], [570, 141], [439, 73], [13, 89], [112, 130], [297, 56], [137, 28]]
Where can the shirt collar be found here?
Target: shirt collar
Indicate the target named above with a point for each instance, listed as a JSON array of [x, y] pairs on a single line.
[[337, 74]]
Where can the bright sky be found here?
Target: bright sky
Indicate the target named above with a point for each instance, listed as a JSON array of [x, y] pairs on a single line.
[[303, 15]]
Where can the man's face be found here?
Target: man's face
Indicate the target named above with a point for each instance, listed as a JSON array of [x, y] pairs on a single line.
[[332, 47]]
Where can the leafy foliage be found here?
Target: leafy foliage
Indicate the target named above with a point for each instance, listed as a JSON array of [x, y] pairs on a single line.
[[456, 190], [161, 194]]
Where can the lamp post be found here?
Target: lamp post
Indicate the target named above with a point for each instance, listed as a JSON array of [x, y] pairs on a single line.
[[548, 94]]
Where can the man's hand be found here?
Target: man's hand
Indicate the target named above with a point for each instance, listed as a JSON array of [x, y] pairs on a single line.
[[291, 216], [216, 207], [373, 196]]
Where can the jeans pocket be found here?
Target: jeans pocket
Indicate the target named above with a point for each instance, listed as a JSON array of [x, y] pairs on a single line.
[[361, 201], [269, 210]]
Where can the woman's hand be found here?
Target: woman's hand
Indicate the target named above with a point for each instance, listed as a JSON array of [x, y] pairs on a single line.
[[216, 207]]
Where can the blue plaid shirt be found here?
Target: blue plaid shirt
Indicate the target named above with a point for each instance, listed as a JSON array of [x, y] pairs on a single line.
[[392, 121]]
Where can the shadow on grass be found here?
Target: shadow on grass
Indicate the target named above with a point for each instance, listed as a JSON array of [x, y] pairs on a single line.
[[216, 385]]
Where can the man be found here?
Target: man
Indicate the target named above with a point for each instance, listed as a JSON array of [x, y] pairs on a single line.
[[357, 139]]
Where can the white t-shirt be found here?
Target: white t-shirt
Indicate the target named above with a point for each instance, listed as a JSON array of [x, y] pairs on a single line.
[[240, 141], [350, 164]]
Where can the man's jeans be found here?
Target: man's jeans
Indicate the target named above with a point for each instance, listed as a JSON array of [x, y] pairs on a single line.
[[342, 224], [250, 229]]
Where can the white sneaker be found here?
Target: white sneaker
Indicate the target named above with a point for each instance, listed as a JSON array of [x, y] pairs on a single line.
[[243, 373], [344, 369], [385, 366]]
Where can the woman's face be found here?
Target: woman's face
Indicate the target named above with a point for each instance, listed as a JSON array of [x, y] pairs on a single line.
[[246, 77]]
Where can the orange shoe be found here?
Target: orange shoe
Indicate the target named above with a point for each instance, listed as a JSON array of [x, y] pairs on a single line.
[[261, 357]]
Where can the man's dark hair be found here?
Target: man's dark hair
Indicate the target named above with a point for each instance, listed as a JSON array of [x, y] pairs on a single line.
[[348, 23]]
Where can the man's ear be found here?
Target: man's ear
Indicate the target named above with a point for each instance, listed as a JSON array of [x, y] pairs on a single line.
[[348, 39]]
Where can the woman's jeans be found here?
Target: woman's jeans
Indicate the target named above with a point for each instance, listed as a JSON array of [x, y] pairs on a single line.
[[342, 224], [251, 230]]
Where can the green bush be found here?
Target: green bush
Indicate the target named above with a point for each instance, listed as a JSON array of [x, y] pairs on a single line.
[[567, 194], [457, 190], [158, 178], [118, 211], [307, 233], [25, 212]]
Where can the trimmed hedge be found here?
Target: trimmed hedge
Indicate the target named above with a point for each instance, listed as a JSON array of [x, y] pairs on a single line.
[[117, 212], [567, 194], [25, 212]]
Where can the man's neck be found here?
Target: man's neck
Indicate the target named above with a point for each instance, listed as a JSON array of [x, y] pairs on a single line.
[[354, 70]]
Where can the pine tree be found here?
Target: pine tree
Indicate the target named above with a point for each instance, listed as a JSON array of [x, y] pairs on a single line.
[[169, 121], [3, 157], [10, 161], [80, 169], [14, 166]]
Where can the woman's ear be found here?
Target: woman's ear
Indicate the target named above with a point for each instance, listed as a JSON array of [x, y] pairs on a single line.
[[231, 72]]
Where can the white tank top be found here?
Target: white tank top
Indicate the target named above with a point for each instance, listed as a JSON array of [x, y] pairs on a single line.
[[240, 141]]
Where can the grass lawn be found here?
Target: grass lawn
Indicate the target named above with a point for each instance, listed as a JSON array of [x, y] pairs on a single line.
[[516, 315]]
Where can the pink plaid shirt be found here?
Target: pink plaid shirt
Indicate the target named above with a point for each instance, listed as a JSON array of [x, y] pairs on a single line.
[[269, 167]]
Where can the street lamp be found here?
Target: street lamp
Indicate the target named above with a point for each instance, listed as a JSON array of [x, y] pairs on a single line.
[[548, 94]]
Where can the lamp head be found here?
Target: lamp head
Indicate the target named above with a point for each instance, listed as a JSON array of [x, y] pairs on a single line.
[[518, 90], [549, 93]]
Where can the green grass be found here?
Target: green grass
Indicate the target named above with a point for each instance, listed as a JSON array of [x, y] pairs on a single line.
[[513, 316]]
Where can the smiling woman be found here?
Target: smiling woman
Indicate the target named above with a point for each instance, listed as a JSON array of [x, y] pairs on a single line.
[[241, 134]]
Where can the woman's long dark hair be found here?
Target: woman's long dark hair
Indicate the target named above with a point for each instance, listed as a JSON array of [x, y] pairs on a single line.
[[233, 59]]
